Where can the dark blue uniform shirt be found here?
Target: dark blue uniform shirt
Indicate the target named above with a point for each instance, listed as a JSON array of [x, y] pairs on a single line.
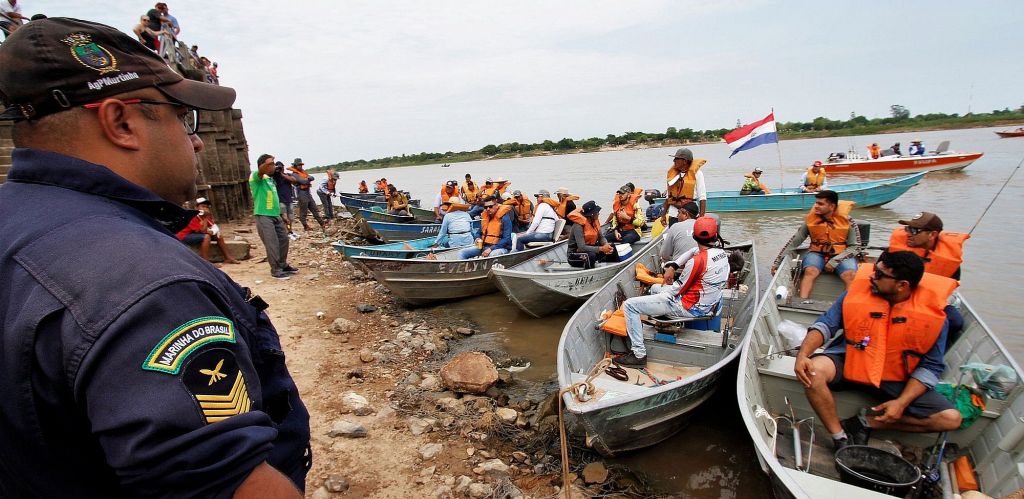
[[129, 366]]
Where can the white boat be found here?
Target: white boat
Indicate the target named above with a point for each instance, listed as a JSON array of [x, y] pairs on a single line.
[[765, 381]]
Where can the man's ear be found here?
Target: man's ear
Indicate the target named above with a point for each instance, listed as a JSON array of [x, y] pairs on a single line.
[[119, 125]]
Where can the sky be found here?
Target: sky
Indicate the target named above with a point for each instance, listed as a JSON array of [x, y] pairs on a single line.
[[335, 81]]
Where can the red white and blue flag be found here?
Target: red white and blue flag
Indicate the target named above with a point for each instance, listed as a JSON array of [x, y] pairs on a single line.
[[752, 135]]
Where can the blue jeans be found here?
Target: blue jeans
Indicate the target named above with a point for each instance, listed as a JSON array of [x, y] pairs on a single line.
[[475, 252], [653, 305], [532, 238], [817, 260]]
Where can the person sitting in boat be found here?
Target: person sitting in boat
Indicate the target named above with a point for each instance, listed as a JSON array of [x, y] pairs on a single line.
[[566, 205], [704, 274], [678, 238], [942, 253], [685, 184], [495, 231], [895, 148], [813, 180], [488, 189], [653, 209], [523, 208], [916, 148], [501, 185], [449, 189], [835, 241], [752, 184], [587, 245], [627, 219], [456, 227], [398, 202], [542, 227], [363, 188], [470, 191], [874, 150], [887, 335]]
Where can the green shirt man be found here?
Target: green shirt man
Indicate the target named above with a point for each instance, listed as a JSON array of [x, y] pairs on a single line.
[[264, 195]]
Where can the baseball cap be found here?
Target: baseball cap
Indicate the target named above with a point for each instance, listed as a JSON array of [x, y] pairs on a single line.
[[683, 153], [451, 183], [543, 193], [705, 230], [817, 163], [692, 209], [925, 221], [517, 193], [55, 64], [202, 201], [758, 170]]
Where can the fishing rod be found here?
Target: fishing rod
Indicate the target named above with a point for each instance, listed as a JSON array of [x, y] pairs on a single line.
[[990, 203]]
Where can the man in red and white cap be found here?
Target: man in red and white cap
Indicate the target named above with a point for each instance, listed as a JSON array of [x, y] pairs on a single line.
[[704, 274]]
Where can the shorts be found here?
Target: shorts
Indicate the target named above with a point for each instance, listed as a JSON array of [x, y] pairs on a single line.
[[286, 209], [929, 403], [817, 260], [194, 238]]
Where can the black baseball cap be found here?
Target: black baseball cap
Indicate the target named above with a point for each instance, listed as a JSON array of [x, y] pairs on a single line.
[[55, 64]]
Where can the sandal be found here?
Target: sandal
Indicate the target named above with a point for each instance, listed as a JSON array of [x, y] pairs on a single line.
[[617, 373]]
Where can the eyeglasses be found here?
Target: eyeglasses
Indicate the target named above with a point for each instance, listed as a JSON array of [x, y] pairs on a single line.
[[190, 119], [915, 231], [489, 206], [882, 275]]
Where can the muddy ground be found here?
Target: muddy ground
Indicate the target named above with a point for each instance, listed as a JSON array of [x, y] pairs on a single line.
[[402, 434]]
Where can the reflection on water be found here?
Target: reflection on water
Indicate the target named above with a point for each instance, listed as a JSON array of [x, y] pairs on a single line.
[[713, 457]]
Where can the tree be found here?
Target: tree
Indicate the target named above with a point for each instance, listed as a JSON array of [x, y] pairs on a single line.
[[899, 112], [490, 149]]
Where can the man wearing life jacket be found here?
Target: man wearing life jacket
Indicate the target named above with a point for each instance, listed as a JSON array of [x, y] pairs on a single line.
[[457, 226], [565, 204], [942, 253], [470, 190], [835, 241], [704, 274], [449, 189], [326, 191], [495, 231], [501, 185], [304, 196], [398, 202], [488, 189], [587, 245], [752, 184], [685, 184], [542, 226], [813, 180], [523, 208], [887, 335], [626, 218], [363, 189], [874, 150]]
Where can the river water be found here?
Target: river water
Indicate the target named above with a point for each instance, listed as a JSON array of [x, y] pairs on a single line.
[[713, 458]]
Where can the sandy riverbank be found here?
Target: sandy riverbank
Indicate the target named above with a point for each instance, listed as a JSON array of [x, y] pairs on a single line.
[[420, 440]]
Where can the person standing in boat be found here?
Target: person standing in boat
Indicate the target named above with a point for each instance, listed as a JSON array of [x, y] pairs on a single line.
[[587, 245], [495, 231], [456, 226], [398, 202], [942, 252], [752, 184], [470, 191], [835, 242], [542, 227], [813, 180], [685, 184], [627, 218], [887, 336], [874, 150], [704, 274], [895, 148], [916, 148], [449, 189]]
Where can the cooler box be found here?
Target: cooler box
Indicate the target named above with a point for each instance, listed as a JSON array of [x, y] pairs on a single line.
[[624, 250]]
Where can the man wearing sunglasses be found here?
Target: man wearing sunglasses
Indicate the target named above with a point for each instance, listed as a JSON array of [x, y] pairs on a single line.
[[887, 336], [132, 367]]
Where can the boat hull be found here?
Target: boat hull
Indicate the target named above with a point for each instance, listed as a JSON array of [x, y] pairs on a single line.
[[380, 216], [393, 232], [905, 164], [420, 247], [425, 282], [1007, 135]]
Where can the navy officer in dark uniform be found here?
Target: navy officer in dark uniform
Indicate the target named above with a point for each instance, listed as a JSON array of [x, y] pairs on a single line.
[[129, 367]]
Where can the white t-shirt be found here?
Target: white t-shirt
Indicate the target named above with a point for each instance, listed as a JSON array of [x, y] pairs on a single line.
[[544, 218], [699, 192]]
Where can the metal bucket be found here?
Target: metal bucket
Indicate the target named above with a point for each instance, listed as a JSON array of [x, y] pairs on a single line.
[[876, 469]]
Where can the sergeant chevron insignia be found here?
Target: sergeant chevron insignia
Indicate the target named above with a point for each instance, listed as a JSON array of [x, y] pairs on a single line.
[[217, 385]]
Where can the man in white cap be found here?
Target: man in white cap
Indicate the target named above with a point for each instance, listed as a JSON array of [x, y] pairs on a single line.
[[685, 184]]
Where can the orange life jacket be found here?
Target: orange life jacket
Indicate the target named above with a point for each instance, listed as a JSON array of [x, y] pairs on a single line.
[[524, 210], [491, 226], [488, 191], [829, 236], [875, 151], [331, 183], [815, 180], [470, 191], [886, 342], [564, 204], [626, 212], [303, 174], [553, 204], [502, 187], [943, 260], [591, 227], [363, 189], [682, 191], [445, 195]]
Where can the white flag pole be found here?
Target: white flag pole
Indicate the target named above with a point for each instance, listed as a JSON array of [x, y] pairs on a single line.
[[782, 176]]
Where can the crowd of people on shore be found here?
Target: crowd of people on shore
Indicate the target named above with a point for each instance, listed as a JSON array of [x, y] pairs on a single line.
[[157, 27]]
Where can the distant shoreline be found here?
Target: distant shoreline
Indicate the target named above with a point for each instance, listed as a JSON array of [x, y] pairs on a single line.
[[814, 134]]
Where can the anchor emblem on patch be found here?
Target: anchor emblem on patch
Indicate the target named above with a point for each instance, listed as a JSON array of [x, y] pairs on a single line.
[[91, 55], [217, 385]]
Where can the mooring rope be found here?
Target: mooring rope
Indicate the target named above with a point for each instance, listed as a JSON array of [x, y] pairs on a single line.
[[589, 390]]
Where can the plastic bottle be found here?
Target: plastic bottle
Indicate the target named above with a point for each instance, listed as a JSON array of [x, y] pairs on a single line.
[[781, 293]]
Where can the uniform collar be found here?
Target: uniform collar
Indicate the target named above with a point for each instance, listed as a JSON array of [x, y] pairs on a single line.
[[33, 166]]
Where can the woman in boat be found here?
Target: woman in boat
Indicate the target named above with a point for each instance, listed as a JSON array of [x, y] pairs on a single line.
[[587, 245]]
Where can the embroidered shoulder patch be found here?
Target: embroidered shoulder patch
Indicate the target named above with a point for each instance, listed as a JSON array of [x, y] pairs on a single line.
[[217, 385], [168, 355]]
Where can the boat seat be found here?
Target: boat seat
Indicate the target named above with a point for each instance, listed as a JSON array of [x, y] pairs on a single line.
[[559, 225], [669, 322]]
